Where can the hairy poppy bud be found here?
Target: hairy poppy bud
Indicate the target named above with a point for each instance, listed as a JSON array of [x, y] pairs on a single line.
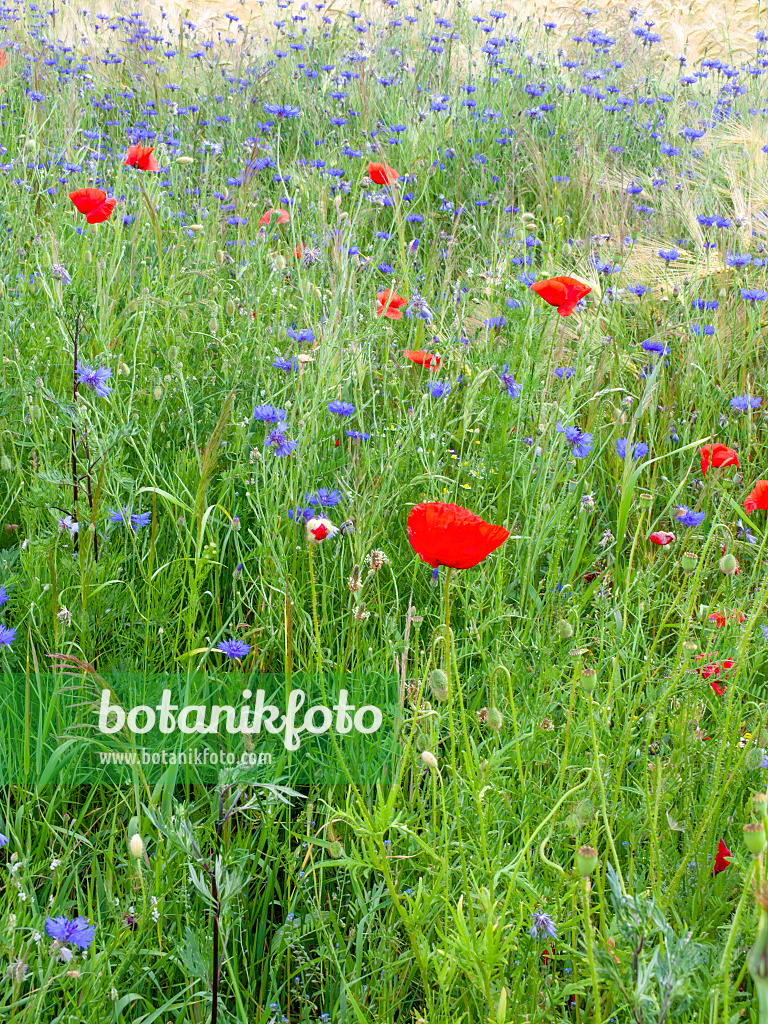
[[689, 561], [220, 257], [564, 630], [336, 850], [157, 393], [136, 845], [586, 860], [5, 464], [495, 719], [754, 838], [729, 564], [572, 824], [586, 811], [438, 681], [429, 759], [422, 742], [184, 161], [230, 307]]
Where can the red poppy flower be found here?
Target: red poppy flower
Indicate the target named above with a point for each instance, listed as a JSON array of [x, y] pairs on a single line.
[[758, 499], [141, 157], [443, 534], [282, 217], [93, 203], [723, 858], [662, 538], [717, 456], [382, 174], [3, 58], [422, 358], [388, 304], [719, 618], [563, 292]]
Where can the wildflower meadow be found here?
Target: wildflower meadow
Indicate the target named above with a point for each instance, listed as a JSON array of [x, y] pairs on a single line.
[[384, 478]]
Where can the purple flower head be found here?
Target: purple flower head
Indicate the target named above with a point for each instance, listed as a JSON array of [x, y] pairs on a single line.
[[508, 381], [268, 413], [669, 255], [542, 925], [3, 840], [324, 498], [289, 365], [301, 515], [754, 294], [7, 636], [688, 518], [655, 346], [3, 595], [439, 388], [580, 442], [135, 520], [95, 379], [77, 932], [744, 402], [282, 445], [341, 408], [638, 451], [303, 336], [565, 372], [356, 435], [233, 648]]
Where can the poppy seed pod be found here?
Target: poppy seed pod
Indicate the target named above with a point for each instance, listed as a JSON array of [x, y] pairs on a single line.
[[588, 680], [754, 838], [689, 561], [760, 803], [586, 860]]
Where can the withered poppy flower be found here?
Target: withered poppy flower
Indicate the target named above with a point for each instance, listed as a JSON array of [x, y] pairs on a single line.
[[388, 304], [93, 203], [758, 499], [563, 292], [282, 217], [422, 358], [382, 174], [141, 157], [445, 534], [662, 538], [716, 456], [723, 858]]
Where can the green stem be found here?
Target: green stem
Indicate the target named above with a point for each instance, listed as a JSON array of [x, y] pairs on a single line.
[[725, 963], [590, 950], [603, 802]]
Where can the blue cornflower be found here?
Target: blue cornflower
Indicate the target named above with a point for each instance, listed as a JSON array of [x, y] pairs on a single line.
[[543, 924], [649, 345], [764, 630], [581, 443], [356, 435], [509, 382], [688, 518], [746, 534], [638, 451], [3, 840], [419, 307], [637, 289], [754, 295], [735, 259], [7, 636], [286, 364], [744, 402], [3, 595], [707, 329], [341, 408], [269, 413], [439, 388], [565, 372], [77, 932], [281, 110], [282, 445], [134, 520], [495, 323], [324, 498], [233, 648], [304, 335], [301, 515], [669, 255], [94, 378]]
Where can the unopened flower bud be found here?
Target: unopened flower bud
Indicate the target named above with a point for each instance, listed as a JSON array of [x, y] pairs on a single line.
[[754, 838], [495, 719], [136, 845], [184, 161], [319, 529], [438, 682], [586, 860], [429, 759], [5, 464], [236, 524], [219, 257], [230, 307], [336, 850], [564, 630], [729, 564]]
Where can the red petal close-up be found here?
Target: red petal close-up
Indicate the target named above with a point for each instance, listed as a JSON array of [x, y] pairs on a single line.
[[662, 538], [141, 157], [449, 535], [758, 498], [282, 217], [422, 358], [723, 858], [382, 174], [716, 456], [388, 304], [562, 292]]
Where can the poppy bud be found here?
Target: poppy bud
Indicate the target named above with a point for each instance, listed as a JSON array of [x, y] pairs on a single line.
[[30, 145], [157, 393], [422, 742], [212, 325], [136, 845], [729, 564], [87, 256], [172, 353], [564, 630], [438, 681], [336, 850], [230, 307], [689, 561], [495, 719], [35, 412], [585, 812], [572, 824], [586, 860], [429, 759], [220, 257], [588, 680], [318, 530], [723, 294], [5, 464], [184, 161], [165, 214]]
